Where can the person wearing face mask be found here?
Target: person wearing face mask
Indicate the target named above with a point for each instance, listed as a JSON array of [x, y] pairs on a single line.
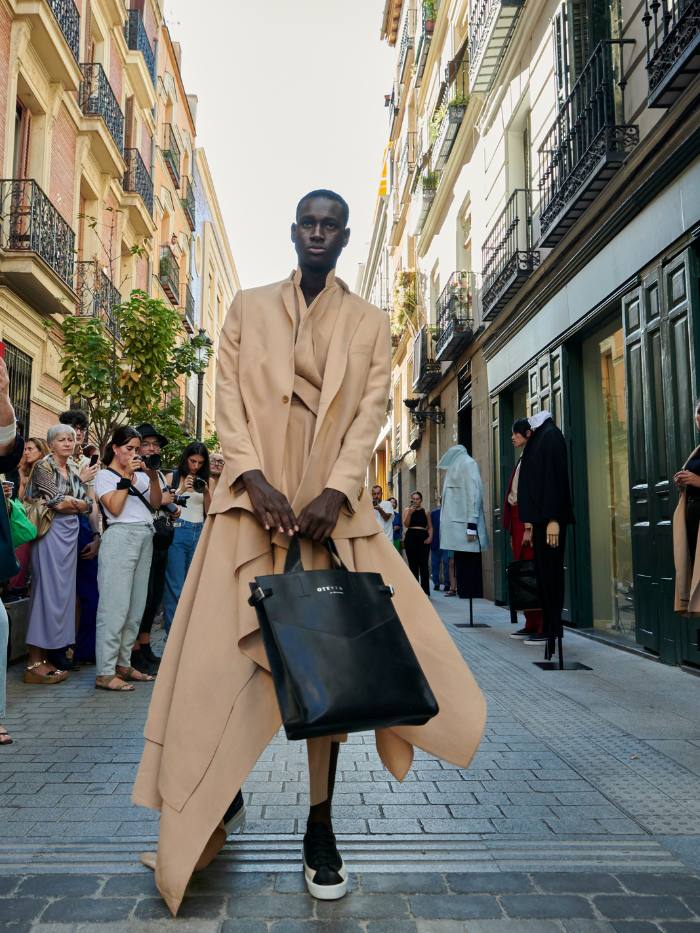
[[191, 479]]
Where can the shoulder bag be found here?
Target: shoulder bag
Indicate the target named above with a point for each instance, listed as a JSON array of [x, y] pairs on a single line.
[[23, 530], [39, 515], [163, 529], [523, 590], [339, 656]]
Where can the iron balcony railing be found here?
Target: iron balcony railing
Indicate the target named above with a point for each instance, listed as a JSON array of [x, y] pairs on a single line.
[[188, 310], [137, 40], [188, 203], [426, 369], [492, 26], [97, 98], [397, 438], [673, 48], [589, 138], [428, 15], [457, 98], [169, 274], [190, 417], [454, 316], [408, 158], [507, 256], [171, 154], [407, 39], [68, 18], [98, 297], [29, 221], [137, 179]]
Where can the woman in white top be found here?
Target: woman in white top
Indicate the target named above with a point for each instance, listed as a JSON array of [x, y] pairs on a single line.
[[127, 498], [192, 479]]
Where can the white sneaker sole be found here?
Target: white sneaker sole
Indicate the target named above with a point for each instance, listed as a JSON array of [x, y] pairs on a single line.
[[236, 822], [325, 892]]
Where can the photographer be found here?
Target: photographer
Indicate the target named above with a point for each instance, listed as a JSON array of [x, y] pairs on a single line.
[[191, 479], [128, 494], [142, 657]]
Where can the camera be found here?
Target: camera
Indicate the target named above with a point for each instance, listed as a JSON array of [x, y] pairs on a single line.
[[152, 462], [198, 484], [178, 501]]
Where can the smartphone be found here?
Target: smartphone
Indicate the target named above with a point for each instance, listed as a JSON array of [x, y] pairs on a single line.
[[94, 459], [2, 349]]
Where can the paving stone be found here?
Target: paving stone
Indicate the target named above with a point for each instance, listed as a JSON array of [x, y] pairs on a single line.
[[635, 926], [212, 881], [644, 883], [512, 926], [409, 882], [90, 830], [458, 826], [546, 906], [528, 827], [389, 926], [364, 907], [454, 907], [131, 885], [52, 885], [245, 926], [489, 882], [653, 907], [394, 826], [587, 926], [270, 906], [575, 827], [199, 908], [314, 926], [440, 926], [571, 882], [21, 908]]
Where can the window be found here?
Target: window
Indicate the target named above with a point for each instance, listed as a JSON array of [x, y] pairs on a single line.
[[20, 155], [19, 369]]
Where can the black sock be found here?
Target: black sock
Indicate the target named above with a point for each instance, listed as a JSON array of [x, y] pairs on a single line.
[[235, 806], [321, 812]]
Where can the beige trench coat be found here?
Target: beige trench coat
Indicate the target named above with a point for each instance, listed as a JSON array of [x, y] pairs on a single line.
[[214, 709], [687, 601]]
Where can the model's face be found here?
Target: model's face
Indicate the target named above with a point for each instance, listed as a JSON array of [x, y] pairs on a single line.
[[518, 440], [62, 446], [216, 464], [127, 451], [319, 233], [149, 446], [31, 453], [194, 464]]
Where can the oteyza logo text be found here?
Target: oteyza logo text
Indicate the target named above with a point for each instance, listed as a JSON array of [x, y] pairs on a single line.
[[329, 589]]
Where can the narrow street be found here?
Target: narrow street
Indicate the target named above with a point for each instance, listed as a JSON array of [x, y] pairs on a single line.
[[580, 812]]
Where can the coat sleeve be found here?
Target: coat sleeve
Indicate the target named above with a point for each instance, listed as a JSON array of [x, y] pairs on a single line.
[[475, 494], [555, 478], [231, 419], [348, 474]]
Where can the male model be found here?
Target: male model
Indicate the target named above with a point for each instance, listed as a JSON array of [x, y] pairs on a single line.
[[302, 389]]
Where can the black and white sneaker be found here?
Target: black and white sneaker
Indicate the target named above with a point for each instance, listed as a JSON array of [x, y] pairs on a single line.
[[234, 818], [523, 633], [536, 640], [324, 869]]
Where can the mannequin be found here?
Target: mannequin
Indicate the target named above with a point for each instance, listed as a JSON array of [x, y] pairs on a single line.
[[462, 525], [544, 501]]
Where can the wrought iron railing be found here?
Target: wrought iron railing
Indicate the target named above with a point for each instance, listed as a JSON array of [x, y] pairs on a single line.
[[68, 19], [426, 369], [672, 37], [590, 126], [188, 203], [507, 248], [190, 417], [137, 40], [171, 154], [169, 274], [29, 221], [19, 372], [137, 178], [428, 14], [407, 38], [97, 296], [397, 436], [97, 98], [188, 310], [454, 314], [408, 158]]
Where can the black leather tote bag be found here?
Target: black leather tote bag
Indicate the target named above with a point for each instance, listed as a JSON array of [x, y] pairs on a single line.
[[339, 657], [522, 585]]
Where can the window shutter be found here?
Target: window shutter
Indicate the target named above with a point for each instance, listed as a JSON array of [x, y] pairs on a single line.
[[27, 141], [89, 46], [561, 54], [128, 122]]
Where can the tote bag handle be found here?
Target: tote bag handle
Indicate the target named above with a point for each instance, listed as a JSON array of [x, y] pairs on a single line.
[[293, 562]]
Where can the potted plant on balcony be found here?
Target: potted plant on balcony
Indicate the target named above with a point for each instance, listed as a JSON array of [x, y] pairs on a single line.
[[430, 182], [430, 14], [457, 107]]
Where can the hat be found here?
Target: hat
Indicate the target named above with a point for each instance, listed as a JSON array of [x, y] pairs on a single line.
[[147, 430]]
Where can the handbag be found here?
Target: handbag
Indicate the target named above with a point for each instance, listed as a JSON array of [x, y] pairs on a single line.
[[339, 656], [522, 586], [39, 515], [21, 527]]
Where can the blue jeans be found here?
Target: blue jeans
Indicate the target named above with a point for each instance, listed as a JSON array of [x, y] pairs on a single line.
[[180, 556], [438, 557]]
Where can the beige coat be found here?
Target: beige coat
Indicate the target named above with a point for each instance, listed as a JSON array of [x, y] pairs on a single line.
[[214, 710], [687, 601]]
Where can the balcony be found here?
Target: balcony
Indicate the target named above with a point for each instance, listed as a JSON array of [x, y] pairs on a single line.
[[138, 181], [507, 257], [97, 296], [188, 204], [169, 274], [587, 144], [429, 13], [171, 154], [426, 369], [96, 99], [673, 48], [447, 133], [137, 41], [187, 312], [408, 160], [407, 40], [492, 27], [55, 35], [190, 423], [31, 228], [422, 201], [393, 109], [454, 316], [397, 439]]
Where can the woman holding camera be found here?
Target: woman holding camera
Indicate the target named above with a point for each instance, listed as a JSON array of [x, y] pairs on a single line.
[[191, 479], [128, 494]]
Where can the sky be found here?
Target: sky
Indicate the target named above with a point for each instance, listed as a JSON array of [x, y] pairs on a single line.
[[291, 98]]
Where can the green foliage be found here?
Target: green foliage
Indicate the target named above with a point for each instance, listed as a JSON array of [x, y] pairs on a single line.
[[213, 443], [430, 9], [430, 180], [436, 121], [459, 100]]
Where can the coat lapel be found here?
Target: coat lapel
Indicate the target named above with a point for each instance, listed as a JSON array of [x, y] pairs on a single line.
[[288, 298]]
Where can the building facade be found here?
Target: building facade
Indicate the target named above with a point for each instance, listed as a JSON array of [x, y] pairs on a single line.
[[537, 249], [97, 141]]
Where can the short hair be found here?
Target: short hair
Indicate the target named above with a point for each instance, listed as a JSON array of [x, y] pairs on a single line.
[[119, 438], [521, 426], [331, 196], [195, 449], [75, 417], [416, 493], [20, 430], [57, 429], [377, 486]]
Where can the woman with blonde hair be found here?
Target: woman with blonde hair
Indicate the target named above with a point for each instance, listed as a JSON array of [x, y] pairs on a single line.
[[35, 449]]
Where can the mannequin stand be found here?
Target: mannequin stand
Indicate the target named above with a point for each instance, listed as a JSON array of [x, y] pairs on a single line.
[[561, 665], [472, 623]]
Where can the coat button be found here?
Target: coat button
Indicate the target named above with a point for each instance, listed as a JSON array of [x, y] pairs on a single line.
[[285, 399]]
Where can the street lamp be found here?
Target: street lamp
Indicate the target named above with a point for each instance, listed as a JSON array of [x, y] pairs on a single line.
[[202, 352]]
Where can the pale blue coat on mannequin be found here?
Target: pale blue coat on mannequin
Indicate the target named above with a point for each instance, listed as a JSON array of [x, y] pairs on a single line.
[[462, 502]]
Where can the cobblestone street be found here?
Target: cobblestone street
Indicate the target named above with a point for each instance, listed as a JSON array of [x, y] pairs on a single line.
[[580, 812]]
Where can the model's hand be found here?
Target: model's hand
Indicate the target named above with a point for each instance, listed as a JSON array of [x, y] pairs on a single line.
[[318, 520], [686, 478], [268, 501], [552, 534], [527, 537], [90, 550]]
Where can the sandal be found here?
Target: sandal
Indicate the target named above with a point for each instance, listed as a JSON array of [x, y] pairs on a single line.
[[4, 733], [53, 677], [451, 593], [129, 675], [107, 679]]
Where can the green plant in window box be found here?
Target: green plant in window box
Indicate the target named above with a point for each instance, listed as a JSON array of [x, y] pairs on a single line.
[[430, 181]]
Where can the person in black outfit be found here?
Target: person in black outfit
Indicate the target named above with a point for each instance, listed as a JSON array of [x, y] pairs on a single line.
[[686, 527], [544, 501], [419, 535]]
